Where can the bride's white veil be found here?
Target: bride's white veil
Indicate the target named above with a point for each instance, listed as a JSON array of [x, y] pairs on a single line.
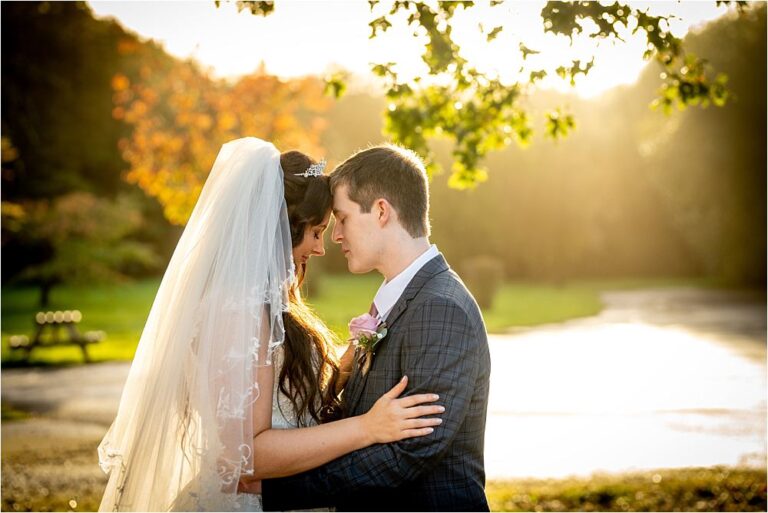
[[183, 433]]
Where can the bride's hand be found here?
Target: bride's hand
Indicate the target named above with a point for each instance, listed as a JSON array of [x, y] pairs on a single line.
[[249, 486], [346, 364], [347, 360], [392, 419]]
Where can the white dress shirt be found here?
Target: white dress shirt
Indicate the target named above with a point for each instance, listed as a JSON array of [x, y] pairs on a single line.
[[390, 291]]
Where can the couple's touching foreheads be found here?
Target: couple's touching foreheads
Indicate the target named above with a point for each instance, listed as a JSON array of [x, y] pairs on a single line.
[[236, 399]]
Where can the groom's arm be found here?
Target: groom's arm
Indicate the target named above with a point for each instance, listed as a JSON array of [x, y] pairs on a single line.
[[441, 357]]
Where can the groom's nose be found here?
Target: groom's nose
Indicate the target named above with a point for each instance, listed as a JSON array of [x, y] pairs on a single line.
[[336, 234]]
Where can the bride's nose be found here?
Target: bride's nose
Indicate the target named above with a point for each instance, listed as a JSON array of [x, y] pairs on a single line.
[[319, 248]]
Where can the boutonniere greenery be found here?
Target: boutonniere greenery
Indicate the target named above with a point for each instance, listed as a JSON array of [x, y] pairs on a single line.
[[366, 331]]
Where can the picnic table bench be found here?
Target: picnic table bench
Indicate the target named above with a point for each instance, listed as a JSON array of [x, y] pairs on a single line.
[[48, 333]]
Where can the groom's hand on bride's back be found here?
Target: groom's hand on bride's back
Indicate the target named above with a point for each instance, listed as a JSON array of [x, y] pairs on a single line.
[[393, 418]]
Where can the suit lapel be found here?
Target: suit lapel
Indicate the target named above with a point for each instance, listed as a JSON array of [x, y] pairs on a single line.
[[432, 268]]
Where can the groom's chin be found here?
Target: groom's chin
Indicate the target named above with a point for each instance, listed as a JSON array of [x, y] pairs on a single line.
[[356, 269]]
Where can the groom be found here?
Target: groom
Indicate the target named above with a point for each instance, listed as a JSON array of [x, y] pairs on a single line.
[[435, 336]]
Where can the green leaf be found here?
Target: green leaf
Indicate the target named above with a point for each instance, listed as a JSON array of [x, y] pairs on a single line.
[[527, 51], [380, 24], [256, 8], [559, 124], [464, 178], [335, 85], [384, 70], [537, 75], [493, 34]]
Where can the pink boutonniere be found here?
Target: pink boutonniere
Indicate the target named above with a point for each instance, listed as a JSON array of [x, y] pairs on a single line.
[[366, 331]]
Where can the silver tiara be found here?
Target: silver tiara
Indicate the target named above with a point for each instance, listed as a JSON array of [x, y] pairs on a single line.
[[314, 170]]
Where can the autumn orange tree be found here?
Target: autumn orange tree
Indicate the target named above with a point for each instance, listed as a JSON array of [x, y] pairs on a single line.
[[180, 116]]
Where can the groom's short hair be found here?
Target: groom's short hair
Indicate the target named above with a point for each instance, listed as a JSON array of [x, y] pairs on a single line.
[[393, 173]]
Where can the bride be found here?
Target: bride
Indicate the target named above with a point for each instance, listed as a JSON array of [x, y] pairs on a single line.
[[233, 379]]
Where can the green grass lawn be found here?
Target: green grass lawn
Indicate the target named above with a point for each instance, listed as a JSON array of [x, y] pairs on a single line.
[[704, 489], [121, 310], [522, 304], [531, 304]]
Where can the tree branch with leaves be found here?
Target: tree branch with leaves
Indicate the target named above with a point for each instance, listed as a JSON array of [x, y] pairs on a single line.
[[479, 112]]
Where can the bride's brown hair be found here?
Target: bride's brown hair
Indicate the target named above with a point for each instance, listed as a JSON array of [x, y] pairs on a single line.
[[309, 373]]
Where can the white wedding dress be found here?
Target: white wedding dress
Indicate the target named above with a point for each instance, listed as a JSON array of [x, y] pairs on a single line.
[[283, 417]]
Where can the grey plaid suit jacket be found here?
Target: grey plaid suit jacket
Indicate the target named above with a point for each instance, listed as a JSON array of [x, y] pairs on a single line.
[[436, 336]]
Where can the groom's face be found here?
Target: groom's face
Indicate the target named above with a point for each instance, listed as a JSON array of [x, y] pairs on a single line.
[[356, 231]]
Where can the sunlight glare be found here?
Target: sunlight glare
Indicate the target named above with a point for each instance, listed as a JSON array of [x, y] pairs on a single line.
[[302, 37]]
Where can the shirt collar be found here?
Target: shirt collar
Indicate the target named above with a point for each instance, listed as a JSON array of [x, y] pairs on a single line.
[[390, 291]]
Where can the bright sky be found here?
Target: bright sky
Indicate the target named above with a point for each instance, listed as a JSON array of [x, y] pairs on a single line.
[[313, 37]]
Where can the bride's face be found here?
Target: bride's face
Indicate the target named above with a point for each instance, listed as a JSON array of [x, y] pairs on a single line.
[[312, 243]]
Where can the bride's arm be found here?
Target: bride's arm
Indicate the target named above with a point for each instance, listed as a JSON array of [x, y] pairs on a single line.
[[284, 452]]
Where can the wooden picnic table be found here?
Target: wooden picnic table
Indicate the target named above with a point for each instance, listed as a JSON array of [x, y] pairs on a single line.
[[48, 333]]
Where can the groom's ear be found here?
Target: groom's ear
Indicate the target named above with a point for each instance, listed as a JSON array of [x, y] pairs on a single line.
[[382, 209]]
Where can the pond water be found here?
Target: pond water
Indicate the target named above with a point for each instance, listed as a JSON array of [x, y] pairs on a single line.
[[664, 378]]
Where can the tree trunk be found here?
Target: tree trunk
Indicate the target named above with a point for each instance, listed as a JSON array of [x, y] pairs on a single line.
[[45, 295]]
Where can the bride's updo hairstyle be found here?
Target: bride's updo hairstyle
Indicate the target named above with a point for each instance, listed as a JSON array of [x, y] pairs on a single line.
[[308, 374]]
